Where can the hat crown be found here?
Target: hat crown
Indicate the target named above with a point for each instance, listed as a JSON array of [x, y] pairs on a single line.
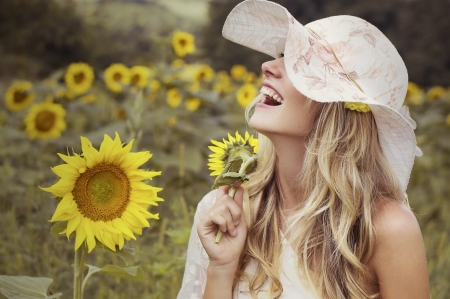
[[366, 55]]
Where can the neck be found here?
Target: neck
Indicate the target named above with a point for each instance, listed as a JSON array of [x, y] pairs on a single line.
[[291, 153]]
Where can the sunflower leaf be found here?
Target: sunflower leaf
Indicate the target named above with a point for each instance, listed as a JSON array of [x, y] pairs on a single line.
[[228, 178], [26, 287], [134, 273], [58, 228], [233, 165]]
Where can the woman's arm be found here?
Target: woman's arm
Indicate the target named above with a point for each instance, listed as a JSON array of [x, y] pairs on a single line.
[[399, 258], [226, 215]]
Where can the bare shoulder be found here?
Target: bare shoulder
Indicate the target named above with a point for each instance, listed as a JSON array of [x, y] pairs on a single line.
[[399, 258], [395, 222]]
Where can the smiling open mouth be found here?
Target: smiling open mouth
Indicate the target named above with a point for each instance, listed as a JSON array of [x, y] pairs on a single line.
[[271, 98]]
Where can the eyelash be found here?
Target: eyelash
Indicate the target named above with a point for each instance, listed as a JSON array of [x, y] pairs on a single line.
[[281, 54]]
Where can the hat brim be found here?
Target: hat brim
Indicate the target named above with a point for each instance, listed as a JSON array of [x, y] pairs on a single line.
[[261, 25]]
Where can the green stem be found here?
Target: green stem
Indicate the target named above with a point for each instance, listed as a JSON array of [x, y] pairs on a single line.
[[80, 255], [219, 233]]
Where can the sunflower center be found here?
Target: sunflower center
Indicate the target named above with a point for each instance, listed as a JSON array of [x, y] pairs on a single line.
[[79, 77], [117, 76], [102, 192], [45, 120], [183, 42], [20, 96], [135, 79]]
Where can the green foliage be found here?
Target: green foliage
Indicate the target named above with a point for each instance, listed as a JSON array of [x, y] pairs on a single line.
[[25, 287]]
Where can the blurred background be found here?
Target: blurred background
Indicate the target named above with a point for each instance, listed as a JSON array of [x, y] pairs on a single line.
[[159, 72]]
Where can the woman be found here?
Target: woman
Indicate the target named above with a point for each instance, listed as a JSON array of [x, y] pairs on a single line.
[[325, 215]]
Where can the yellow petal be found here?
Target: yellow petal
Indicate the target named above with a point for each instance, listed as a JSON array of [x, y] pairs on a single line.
[[65, 210], [123, 227], [81, 234], [66, 171], [89, 234], [61, 188], [73, 224]]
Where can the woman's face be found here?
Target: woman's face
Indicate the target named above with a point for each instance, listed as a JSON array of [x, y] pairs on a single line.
[[283, 109]]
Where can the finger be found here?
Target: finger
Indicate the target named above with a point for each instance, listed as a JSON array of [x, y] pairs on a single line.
[[224, 211], [235, 211], [221, 221], [223, 190], [239, 197]]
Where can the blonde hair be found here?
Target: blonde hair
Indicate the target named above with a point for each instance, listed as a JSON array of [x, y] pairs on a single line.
[[345, 177]]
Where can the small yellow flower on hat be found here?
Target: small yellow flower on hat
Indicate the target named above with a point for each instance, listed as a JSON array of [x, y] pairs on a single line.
[[79, 77], [183, 43], [18, 96], [45, 120], [360, 107]]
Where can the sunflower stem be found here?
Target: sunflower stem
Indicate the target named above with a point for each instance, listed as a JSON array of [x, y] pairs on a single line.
[[219, 233], [80, 255]]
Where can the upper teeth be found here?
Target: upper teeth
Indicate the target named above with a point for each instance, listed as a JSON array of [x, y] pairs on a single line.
[[270, 93]]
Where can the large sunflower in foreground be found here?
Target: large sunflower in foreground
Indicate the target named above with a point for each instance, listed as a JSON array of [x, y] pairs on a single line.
[[103, 196], [183, 43], [226, 151], [116, 76], [18, 96], [45, 120], [79, 77]]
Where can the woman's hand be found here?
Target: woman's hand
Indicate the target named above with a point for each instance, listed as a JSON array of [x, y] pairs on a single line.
[[226, 215]]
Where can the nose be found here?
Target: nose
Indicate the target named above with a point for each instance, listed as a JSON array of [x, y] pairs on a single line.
[[271, 68]]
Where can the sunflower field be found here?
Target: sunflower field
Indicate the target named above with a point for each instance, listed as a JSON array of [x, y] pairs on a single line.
[[136, 137]]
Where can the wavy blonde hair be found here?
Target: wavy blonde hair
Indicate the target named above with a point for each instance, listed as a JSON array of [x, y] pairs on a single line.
[[345, 177]]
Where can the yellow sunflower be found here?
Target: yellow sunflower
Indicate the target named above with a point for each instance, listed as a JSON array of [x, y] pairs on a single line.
[[79, 77], [173, 97], [45, 120], [103, 196], [436, 92], [224, 152], [223, 83], [414, 94], [246, 94], [183, 43], [139, 76], [18, 96], [154, 86], [178, 63], [250, 77], [116, 76], [204, 73], [193, 104], [238, 72]]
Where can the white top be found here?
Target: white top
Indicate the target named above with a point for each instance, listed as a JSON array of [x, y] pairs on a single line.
[[194, 280]]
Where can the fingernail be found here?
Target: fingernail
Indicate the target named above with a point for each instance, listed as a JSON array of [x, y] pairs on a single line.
[[235, 232], [237, 222]]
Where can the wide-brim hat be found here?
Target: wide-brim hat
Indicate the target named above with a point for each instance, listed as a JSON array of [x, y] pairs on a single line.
[[336, 59]]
